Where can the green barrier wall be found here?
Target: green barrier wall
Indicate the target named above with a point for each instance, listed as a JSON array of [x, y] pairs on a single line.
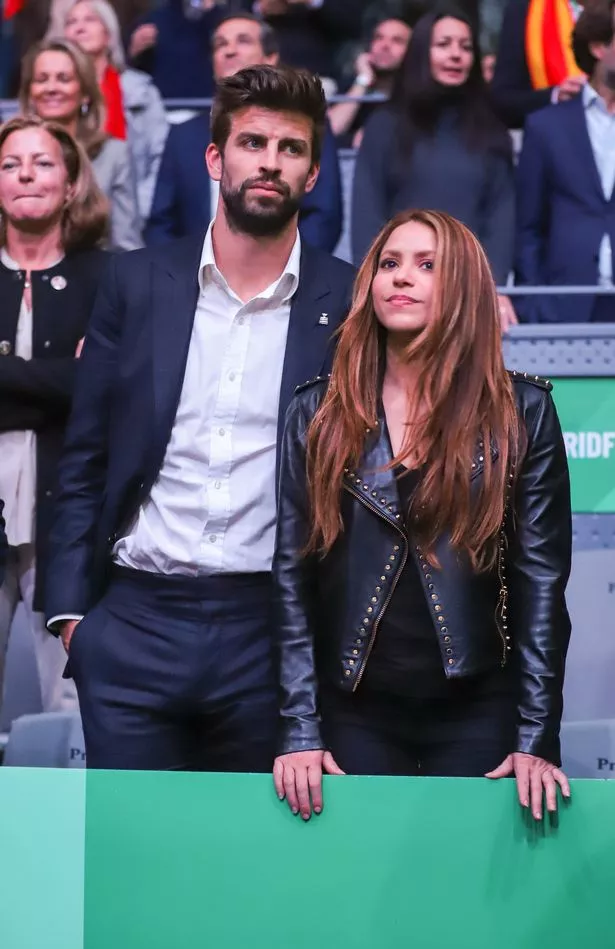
[[586, 409], [179, 861]]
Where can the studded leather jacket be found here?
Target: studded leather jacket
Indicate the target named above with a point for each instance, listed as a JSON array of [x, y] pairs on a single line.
[[328, 610]]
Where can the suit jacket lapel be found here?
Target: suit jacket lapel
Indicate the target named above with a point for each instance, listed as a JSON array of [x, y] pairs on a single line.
[[586, 161], [309, 336], [173, 300]]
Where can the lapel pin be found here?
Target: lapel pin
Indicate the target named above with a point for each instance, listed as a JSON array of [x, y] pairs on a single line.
[[58, 282], [324, 319]]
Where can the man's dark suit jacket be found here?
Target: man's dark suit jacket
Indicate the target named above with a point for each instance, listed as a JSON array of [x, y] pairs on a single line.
[[511, 88], [128, 388], [182, 199], [562, 213]]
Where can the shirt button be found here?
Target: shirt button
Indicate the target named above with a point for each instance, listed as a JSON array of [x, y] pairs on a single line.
[[221, 431], [212, 538], [217, 485], [232, 376], [240, 320], [47, 343]]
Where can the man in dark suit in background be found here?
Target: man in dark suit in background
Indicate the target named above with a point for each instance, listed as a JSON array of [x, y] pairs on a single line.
[[565, 186], [534, 65], [185, 198], [165, 523]]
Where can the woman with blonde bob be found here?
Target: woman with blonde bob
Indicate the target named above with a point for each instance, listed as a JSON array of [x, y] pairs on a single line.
[[59, 84], [53, 218], [424, 538]]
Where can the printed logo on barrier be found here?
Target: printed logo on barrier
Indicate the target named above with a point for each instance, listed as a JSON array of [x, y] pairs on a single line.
[[589, 445], [586, 409]]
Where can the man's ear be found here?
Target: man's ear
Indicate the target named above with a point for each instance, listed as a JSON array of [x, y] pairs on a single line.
[[312, 178], [213, 162], [597, 50]]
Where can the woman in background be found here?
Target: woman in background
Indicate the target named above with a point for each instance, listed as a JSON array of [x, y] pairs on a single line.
[[439, 144], [133, 105], [59, 84], [424, 538], [53, 218]]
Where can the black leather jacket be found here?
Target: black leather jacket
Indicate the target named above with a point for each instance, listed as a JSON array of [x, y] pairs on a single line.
[[327, 610]]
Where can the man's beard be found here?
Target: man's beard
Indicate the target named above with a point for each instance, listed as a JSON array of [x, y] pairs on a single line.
[[264, 217]]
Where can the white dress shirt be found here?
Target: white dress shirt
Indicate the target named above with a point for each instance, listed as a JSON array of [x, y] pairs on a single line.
[[212, 508]]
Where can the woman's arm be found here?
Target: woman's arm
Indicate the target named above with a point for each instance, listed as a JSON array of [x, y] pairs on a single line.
[[48, 382], [370, 203], [292, 581], [539, 567], [125, 217], [498, 217]]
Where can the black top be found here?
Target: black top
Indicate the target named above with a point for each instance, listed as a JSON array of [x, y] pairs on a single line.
[[406, 657], [442, 173]]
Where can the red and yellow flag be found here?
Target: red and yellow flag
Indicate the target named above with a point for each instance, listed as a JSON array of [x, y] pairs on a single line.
[[548, 47], [11, 8]]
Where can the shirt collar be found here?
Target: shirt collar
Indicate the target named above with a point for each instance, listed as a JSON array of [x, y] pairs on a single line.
[[284, 287], [10, 264], [590, 96]]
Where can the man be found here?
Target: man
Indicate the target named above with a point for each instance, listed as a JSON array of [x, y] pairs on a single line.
[[375, 71], [311, 31], [565, 200], [165, 521], [185, 198], [534, 64]]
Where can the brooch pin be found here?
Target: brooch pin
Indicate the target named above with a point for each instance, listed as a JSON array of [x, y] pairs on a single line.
[[58, 282], [324, 319]]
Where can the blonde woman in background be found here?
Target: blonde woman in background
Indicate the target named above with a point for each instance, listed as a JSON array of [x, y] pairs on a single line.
[[133, 105], [59, 84]]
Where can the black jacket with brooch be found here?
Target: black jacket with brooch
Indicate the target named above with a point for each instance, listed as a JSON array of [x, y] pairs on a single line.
[[327, 610], [36, 394]]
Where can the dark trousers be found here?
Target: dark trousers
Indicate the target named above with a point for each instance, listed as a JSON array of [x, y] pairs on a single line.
[[176, 673], [465, 732]]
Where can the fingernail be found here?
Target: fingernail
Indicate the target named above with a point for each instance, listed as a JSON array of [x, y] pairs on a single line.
[[317, 810], [537, 815], [305, 816], [281, 797], [295, 810]]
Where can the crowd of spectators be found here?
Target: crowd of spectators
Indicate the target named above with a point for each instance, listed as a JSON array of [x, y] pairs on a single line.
[[424, 112]]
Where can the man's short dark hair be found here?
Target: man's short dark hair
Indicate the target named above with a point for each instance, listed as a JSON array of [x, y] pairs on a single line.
[[278, 88], [268, 36], [595, 25]]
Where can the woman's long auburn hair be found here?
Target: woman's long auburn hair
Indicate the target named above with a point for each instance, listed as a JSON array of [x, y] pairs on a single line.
[[461, 383]]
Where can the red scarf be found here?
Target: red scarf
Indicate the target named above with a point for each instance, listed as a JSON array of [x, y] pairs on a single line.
[[112, 94]]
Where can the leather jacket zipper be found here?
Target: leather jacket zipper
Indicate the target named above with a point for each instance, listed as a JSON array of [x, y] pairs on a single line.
[[500, 609], [394, 582]]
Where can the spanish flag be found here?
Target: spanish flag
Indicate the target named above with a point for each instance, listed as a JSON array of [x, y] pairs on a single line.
[[548, 48]]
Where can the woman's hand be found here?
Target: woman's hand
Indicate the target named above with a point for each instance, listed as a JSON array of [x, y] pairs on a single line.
[[534, 775], [298, 778], [508, 317]]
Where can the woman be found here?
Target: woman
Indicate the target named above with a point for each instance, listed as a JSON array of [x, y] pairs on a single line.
[[133, 104], [59, 83], [52, 219], [424, 538], [439, 145]]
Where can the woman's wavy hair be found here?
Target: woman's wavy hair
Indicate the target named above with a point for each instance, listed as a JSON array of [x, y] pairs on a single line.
[[85, 219], [461, 383], [91, 121]]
